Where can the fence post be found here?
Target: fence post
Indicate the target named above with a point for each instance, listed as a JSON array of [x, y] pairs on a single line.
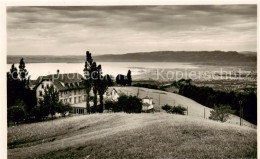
[[204, 113]]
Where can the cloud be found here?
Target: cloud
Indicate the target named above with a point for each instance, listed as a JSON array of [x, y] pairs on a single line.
[[120, 29]]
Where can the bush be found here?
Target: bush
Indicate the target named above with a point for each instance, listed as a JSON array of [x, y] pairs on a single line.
[[166, 107], [128, 104], [220, 113], [63, 108], [178, 110], [134, 105], [44, 110], [109, 105], [17, 113], [174, 110], [36, 112]]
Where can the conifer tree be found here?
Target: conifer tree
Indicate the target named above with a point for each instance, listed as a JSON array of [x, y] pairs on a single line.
[[129, 78], [102, 88], [88, 80]]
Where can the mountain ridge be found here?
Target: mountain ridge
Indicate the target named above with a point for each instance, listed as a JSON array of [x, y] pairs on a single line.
[[221, 57]]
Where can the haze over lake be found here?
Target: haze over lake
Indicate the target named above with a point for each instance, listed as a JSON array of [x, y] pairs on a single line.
[[113, 68]]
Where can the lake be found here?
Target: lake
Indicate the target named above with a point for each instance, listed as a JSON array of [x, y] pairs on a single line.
[[113, 68]]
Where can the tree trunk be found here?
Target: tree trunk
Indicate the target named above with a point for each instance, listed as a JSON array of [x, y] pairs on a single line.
[[87, 103], [95, 98], [101, 103]]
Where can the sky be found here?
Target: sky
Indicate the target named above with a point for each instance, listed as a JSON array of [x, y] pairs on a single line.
[[126, 29]]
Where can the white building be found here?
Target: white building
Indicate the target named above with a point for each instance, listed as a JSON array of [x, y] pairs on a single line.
[[147, 103], [70, 87], [111, 94]]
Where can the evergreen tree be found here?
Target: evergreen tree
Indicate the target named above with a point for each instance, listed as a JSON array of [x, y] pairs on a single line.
[[102, 88], [13, 72], [23, 72], [88, 80], [129, 78], [95, 83]]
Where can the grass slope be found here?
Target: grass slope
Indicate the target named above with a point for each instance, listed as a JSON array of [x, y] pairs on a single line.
[[194, 109], [120, 135]]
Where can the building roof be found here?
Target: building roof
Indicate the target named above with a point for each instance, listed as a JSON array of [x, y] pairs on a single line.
[[146, 104], [109, 90], [63, 81], [146, 97]]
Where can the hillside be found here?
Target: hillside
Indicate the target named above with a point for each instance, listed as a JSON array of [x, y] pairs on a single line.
[[120, 135], [180, 56], [194, 109], [201, 57]]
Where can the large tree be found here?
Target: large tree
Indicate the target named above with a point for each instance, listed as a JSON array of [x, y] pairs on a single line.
[[88, 80], [23, 74], [18, 87], [50, 99], [220, 113], [102, 88], [94, 76]]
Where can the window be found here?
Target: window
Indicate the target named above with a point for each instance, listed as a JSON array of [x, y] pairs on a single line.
[[40, 93], [70, 100], [75, 92], [47, 86], [42, 86]]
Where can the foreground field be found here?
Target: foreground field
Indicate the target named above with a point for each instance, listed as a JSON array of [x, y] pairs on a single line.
[[120, 135]]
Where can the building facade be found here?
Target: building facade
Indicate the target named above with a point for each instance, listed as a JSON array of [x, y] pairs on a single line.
[[70, 87], [147, 103]]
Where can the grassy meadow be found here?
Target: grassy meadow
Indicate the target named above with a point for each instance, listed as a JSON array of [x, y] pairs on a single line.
[[121, 135]]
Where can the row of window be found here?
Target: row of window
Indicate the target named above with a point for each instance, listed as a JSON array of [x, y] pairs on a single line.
[[75, 92], [76, 100], [77, 84], [66, 92], [78, 110], [47, 86]]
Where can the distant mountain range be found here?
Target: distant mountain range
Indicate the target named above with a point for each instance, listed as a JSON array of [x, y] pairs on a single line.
[[213, 57]]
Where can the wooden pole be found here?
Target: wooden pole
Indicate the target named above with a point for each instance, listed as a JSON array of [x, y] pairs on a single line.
[[159, 100], [204, 114], [240, 102], [242, 115]]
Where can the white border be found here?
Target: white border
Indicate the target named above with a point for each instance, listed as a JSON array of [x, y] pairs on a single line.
[[3, 37]]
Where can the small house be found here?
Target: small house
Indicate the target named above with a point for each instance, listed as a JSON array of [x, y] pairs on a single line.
[[111, 94], [147, 103]]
